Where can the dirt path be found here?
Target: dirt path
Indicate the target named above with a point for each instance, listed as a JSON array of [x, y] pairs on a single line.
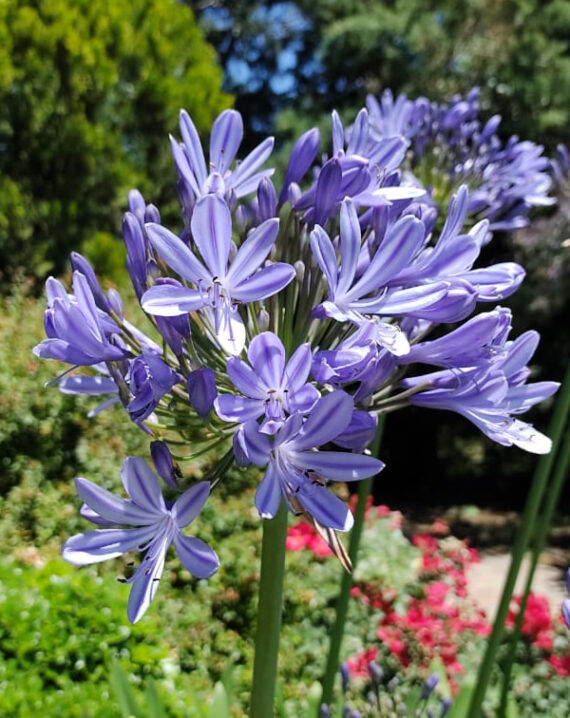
[[486, 581]]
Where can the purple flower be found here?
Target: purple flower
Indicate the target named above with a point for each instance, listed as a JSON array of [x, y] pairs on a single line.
[[450, 141], [225, 139], [158, 524], [78, 332], [272, 387], [488, 395], [478, 340], [99, 385], [149, 379], [351, 297], [299, 473], [219, 287]]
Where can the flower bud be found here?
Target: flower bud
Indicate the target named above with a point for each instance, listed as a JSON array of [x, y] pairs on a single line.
[[263, 320], [202, 390], [115, 302], [344, 676], [152, 214], [162, 460], [429, 686], [299, 270], [376, 673], [267, 199]]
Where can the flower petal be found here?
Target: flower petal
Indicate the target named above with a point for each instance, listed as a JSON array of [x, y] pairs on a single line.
[[189, 505], [193, 147], [111, 507], [329, 417], [166, 300], [147, 577], [324, 253], [176, 254], [211, 227], [226, 137], [338, 465], [267, 356], [324, 506], [252, 161], [141, 484], [253, 252], [350, 245], [265, 283], [255, 445], [196, 556], [102, 544], [245, 379], [268, 494], [298, 367], [238, 408]]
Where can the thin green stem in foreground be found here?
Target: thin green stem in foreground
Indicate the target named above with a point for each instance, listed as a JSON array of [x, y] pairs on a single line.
[[544, 524], [523, 535], [337, 631], [269, 615]]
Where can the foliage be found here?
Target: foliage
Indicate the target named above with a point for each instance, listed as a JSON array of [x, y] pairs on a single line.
[[326, 54], [88, 92]]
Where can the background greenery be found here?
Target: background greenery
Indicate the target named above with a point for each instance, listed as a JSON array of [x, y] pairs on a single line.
[[88, 93]]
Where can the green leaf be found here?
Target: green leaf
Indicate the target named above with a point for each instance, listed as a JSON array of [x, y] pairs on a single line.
[[220, 705], [460, 705], [124, 693], [155, 708]]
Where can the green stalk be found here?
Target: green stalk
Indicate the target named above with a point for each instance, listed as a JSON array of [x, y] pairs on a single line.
[[533, 503], [544, 524], [269, 615], [337, 632]]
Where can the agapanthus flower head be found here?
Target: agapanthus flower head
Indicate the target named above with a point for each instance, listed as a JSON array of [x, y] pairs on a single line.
[[451, 145], [283, 324], [157, 526]]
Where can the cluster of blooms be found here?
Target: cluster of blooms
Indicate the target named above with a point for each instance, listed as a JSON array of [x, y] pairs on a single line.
[[431, 625], [283, 322], [303, 535], [381, 697], [539, 629], [450, 145]]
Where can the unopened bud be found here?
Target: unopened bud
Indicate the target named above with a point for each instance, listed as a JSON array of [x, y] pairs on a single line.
[[152, 214], [344, 676], [202, 390], [263, 320], [162, 460], [299, 270]]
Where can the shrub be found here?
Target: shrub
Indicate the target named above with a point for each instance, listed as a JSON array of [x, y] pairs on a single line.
[[88, 91]]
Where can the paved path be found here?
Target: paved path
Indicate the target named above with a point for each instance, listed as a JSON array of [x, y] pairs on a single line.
[[486, 580]]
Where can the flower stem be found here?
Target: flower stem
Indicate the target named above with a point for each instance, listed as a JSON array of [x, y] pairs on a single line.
[[524, 533], [544, 523], [337, 631], [269, 615]]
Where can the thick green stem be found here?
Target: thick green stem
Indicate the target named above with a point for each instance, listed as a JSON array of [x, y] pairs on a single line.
[[533, 503], [337, 631], [544, 524], [269, 615]]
